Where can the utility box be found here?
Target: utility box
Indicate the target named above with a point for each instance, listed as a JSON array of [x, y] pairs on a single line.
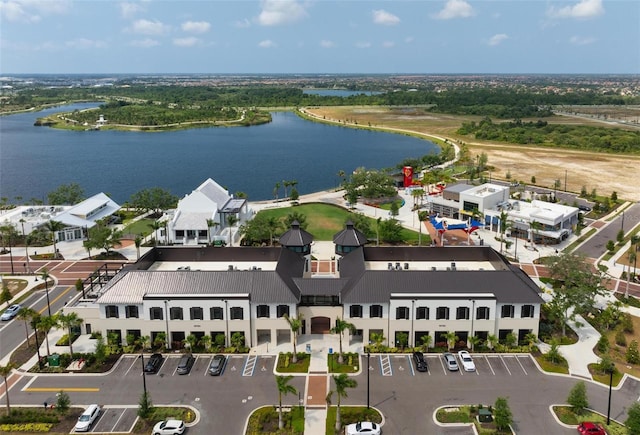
[[54, 360], [484, 416]]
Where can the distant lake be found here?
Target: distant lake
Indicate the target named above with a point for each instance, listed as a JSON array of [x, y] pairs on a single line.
[[36, 160], [337, 92]]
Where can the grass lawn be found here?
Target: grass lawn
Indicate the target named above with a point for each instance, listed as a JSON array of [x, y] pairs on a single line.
[[548, 366], [350, 365], [141, 227], [302, 366], [566, 415], [604, 378], [265, 420], [467, 414], [349, 415]]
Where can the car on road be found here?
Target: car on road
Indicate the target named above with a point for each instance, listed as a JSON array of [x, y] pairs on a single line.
[[216, 365], [450, 361], [588, 428], [153, 363], [421, 363], [87, 418], [185, 364], [363, 427], [467, 361], [584, 207], [10, 312], [169, 427]]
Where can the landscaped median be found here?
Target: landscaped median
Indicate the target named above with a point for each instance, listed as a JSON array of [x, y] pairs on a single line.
[[487, 420], [565, 416]]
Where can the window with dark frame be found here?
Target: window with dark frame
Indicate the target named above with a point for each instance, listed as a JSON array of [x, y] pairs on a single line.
[[236, 313], [281, 310], [375, 311], [131, 311], [111, 311], [462, 313], [422, 313], [196, 313], [156, 313], [442, 313], [262, 311], [215, 313], [402, 313], [527, 311], [507, 311], [482, 313], [175, 313], [355, 311]]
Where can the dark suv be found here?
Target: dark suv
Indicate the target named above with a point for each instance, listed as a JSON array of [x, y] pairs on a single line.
[[153, 363], [185, 364], [421, 363]]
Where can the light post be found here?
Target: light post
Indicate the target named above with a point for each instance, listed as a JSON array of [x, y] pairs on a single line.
[[473, 314], [26, 246], [45, 277], [166, 318], [226, 322], [621, 228], [368, 376], [34, 324], [11, 251], [144, 378], [413, 309], [611, 370]]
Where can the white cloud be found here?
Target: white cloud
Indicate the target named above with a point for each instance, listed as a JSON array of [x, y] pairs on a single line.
[[267, 43], [32, 11], [196, 26], [363, 44], [129, 10], [186, 42], [582, 40], [409, 39], [147, 27], [582, 9], [388, 44], [144, 43], [385, 18], [243, 23], [455, 9], [498, 38], [277, 12], [84, 43], [326, 44]]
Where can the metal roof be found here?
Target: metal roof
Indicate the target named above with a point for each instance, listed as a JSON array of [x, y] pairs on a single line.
[[296, 236], [350, 236]]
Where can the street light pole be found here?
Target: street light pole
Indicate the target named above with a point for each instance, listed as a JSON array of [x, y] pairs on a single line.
[[166, 318], [26, 246], [226, 322], [611, 370], [473, 314], [45, 277], [144, 378], [34, 324], [368, 376]]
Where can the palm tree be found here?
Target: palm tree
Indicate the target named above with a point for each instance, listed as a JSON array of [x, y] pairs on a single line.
[[155, 226], [283, 388], [342, 383], [451, 338], [138, 242], [273, 224], [341, 326], [5, 371], [535, 227], [285, 184], [205, 342], [231, 220], [53, 227], [210, 223], [531, 340], [46, 324], [422, 216], [165, 226], [26, 314], [190, 341], [295, 325], [474, 340], [275, 191], [492, 340], [426, 342], [504, 225], [377, 338], [70, 321]]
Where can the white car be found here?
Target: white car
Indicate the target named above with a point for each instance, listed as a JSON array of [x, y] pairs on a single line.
[[363, 427], [169, 427], [87, 418], [466, 361], [10, 312]]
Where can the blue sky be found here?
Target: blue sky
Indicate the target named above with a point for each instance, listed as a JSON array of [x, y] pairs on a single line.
[[319, 36]]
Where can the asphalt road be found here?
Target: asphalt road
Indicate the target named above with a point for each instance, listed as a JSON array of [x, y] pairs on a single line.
[[407, 398], [12, 333], [597, 244]]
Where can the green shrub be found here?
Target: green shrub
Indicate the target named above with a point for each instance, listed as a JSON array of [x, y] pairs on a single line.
[[603, 344], [621, 339], [633, 356]]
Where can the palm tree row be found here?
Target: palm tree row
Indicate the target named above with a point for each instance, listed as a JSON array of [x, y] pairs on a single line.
[[44, 324]]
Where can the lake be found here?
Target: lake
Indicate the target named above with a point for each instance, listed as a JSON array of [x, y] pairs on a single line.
[[36, 160]]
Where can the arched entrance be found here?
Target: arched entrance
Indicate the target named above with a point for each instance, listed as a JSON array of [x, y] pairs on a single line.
[[320, 325]]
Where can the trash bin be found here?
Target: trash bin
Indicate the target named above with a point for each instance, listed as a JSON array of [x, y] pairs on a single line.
[[484, 416], [54, 360], [330, 351]]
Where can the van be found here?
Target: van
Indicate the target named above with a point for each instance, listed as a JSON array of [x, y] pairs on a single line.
[[88, 417], [185, 364]]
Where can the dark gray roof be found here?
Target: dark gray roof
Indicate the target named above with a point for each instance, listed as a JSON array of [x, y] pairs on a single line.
[[296, 236], [509, 286], [350, 236], [320, 286], [460, 187], [234, 205]]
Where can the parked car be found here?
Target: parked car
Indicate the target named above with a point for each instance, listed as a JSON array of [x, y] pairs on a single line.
[[421, 363], [169, 427], [584, 208], [10, 312], [588, 428], [467, 361], [87, 418], [185, 364], [450, 362], [217, 364], [361, 427], [153, 363]]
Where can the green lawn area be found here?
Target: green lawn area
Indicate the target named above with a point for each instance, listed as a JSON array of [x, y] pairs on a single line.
[[565, 414], [552, 367], [345, 367], [349, 415], [325, 220], [265, 421], [141, 227], [286, 365]]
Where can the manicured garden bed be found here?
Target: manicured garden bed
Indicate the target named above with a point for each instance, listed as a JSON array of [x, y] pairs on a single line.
[[349, 415], [566, 415], [351, 363], [286, 364], [265, 421]]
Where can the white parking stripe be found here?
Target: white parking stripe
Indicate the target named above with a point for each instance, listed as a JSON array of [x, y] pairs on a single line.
[[521, 366], [489, 364], [131, 366], [206, 370], [118, 420], [413, 373], [505, 365]]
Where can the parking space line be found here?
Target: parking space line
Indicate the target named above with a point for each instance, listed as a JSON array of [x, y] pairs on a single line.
[[385, 365], [443, 367], [97, 422], [505, 365], [118, 420], [489, 364], [521, 366], [250, 365], [206, 370], [413, 373], [131, 366]]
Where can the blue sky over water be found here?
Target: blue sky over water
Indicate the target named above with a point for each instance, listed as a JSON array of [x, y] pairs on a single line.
[[319, 36]]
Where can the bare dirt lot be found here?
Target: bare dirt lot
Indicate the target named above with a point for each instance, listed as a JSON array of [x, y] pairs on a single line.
[[604, 172]]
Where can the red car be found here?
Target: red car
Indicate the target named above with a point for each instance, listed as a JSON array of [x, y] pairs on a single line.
[[588, 428]]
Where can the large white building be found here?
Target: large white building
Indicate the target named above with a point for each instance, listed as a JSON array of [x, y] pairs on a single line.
[[391, 291]]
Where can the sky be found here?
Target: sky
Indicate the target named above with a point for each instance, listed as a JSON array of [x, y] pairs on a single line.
[[320, 36]]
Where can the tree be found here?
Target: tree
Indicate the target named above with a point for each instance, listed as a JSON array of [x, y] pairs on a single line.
[[138, 242], [296, 216], [5, 372], [276, 189], [632, 356], [531, 340], [339, 328], [160, 340], [492, 340], [474, 341], [402, 339], [394, 210], [451, 338], [390, 230], [295, 195], [283, 388], [145, 406], [575, 289], [66, 194], [153, 199], [633, 419], [295, 324], [237, 340], [371, 184], [578, 398], [273, 225], [70, 321], [155, 226], [5, 295], [63, 402], [620, 236], [533, 179], [190, 341], [422, 216], [534, 227], [504, 226], [426, 340], [100, 352], [53, 227], [342, 382], [502, 414], [26, 314], [80, 287], [210, 223], [45, 324], [205, 342], [231, 221], [377, 338]]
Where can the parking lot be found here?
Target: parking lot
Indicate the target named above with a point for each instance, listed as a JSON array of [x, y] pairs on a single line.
[[115, 419]]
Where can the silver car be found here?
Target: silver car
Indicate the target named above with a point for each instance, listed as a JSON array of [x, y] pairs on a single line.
[[10, 312], [450, 361]]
